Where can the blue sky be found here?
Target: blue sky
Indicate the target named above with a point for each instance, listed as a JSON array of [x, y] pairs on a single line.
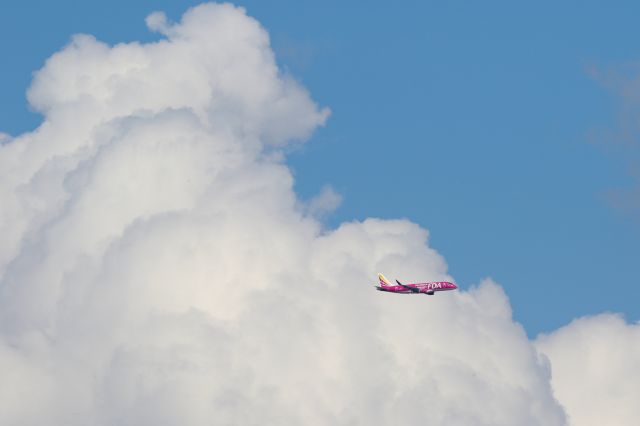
[[475, 121]]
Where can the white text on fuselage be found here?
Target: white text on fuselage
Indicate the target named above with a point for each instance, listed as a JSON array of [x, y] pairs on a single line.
[[432, 286]]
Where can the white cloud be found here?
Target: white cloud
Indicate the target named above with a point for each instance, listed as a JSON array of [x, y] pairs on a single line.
[[157, 21], [596, 369], [155, 266], [325, 202], [624, 138]]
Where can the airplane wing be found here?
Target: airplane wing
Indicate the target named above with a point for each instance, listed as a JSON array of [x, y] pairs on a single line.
[[413, 289], [429, 292]]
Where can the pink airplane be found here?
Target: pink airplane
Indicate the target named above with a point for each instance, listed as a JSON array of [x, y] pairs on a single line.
[[424, 288]]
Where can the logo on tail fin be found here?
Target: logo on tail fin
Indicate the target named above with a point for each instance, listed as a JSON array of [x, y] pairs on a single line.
[[383, 280]]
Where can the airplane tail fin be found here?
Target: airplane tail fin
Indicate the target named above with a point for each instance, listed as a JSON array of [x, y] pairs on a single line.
[[383, 280]]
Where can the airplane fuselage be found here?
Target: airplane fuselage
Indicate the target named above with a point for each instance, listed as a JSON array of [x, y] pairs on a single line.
[[426, 288]]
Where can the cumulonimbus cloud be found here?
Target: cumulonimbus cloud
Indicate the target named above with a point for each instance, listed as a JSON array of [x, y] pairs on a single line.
[[156, 267]]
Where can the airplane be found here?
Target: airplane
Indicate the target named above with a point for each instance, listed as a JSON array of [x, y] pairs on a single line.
[[419, 288]]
